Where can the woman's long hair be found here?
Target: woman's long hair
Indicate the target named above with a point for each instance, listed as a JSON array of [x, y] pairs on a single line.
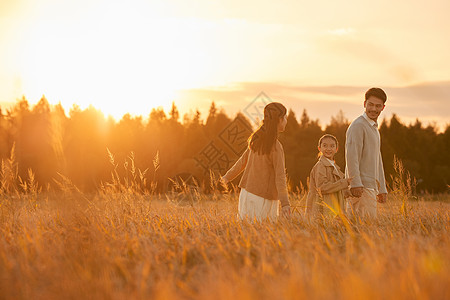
[[264, 138]]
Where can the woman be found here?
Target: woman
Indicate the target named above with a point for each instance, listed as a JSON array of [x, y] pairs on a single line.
[[264, 180]]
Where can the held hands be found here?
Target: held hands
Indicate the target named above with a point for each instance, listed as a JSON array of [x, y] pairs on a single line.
[[349, 180], [381, 198], [356, 191]]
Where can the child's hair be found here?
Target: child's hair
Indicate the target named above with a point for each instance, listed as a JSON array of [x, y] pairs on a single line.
[[264, 138], [330, 136]]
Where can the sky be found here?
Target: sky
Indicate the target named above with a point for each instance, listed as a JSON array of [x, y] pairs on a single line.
[[131, 56]]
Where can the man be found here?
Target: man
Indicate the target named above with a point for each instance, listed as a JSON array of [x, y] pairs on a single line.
[[363, 162]]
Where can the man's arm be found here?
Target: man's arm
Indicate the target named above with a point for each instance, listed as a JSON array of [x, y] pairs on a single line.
[[353, 152]]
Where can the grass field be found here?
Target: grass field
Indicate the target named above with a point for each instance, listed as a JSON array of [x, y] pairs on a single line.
[[129, 246]]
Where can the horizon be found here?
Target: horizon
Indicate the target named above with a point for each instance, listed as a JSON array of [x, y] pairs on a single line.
[[255, 105]]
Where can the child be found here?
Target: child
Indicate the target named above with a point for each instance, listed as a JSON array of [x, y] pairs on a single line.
[[264, 180], [327, 185]]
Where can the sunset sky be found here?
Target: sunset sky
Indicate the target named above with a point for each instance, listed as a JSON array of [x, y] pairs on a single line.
[[130, 56]]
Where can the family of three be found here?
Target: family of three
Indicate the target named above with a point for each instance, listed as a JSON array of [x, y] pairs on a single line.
[[263, 183]]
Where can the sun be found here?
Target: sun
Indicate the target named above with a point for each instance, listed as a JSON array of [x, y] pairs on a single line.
[[114, 57]]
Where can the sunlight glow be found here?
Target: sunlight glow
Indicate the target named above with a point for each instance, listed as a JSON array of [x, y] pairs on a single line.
[[117, 59], [131, 56]]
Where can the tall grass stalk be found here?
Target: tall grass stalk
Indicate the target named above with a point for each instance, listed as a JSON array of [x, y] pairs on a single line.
[[9, 174], [132, 181], [403, 186]]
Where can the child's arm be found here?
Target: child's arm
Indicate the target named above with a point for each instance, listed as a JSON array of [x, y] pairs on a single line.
[[324, 185], [346, 193], [237, 168]]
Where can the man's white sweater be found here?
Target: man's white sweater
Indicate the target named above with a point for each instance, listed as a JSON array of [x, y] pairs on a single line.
[[363, 160]]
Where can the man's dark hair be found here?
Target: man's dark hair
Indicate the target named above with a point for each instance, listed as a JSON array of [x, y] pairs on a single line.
[[376, 92]]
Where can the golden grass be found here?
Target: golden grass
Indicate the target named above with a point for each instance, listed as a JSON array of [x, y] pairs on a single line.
[[126, 243], [124, 246]]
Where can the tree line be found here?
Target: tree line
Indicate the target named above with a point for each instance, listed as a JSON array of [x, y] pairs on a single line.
[[87, 147]]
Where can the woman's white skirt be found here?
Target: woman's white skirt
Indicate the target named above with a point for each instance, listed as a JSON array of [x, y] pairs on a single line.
[[253, 207]]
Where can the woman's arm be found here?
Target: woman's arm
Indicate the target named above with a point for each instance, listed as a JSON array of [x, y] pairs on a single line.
[[237, 168], [280, 174]]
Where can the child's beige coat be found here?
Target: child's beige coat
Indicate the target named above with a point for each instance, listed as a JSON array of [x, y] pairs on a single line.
[[327, 184]]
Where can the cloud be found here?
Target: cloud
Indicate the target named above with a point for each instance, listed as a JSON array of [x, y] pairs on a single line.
[[358, 51], [426, 101]]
